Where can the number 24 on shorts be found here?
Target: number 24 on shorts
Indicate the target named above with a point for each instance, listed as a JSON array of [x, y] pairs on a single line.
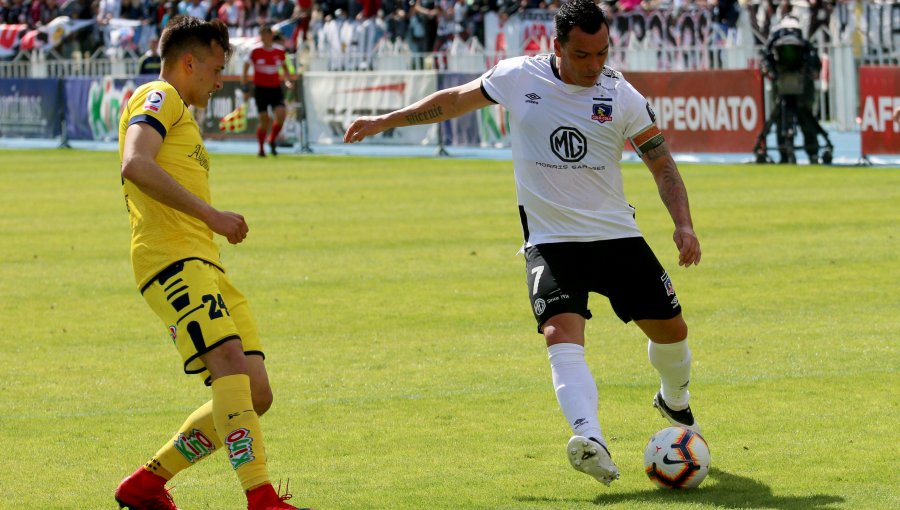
[[216, 305]]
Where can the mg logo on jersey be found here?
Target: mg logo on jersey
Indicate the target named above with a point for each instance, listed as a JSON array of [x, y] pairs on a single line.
[[568, 144], [539, 306]]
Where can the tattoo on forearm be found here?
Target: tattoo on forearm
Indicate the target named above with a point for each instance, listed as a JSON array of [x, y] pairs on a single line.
[[657, 152], [424, 117], [674, 194]]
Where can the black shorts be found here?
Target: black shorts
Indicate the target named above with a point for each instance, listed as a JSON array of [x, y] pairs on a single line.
[[266, 97], [560, 276]]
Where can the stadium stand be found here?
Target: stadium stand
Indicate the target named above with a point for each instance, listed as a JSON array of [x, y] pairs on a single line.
[[66, 38]]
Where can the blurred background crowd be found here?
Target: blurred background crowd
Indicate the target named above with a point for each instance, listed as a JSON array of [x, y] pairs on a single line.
[[419, 25]]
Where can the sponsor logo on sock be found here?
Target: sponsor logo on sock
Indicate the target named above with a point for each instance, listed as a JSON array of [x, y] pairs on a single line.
[[194, 446], [240, 447], [579, 422]]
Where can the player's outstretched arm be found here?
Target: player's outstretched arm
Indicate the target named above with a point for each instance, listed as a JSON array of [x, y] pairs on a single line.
[[440, 106], [674, 195], [142, 144]]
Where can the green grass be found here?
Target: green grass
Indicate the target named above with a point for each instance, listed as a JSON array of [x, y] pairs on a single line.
[[406, 369]]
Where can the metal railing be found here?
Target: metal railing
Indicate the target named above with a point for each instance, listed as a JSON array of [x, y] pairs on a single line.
[[838, 99]]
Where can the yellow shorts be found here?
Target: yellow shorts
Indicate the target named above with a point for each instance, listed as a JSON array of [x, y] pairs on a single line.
[[201, 309]]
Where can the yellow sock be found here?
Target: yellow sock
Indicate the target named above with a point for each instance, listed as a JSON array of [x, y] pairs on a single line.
[[194, 441], [239, 430]]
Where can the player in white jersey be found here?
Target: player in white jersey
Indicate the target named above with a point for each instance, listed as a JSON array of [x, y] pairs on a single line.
[[570, 117]]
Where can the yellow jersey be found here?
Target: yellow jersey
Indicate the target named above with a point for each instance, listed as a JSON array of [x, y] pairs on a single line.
[[161, 235]]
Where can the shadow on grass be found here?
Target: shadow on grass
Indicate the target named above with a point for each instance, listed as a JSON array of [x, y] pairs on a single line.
[[729, 491]]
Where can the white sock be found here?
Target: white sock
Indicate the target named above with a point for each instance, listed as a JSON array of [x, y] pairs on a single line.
[[673, 362], [576, 389]]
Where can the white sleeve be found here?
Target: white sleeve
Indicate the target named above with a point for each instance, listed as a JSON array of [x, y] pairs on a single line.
[[500, 81], [638, 115]]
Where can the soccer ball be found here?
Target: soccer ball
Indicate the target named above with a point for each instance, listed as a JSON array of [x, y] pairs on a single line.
[[676, 458]]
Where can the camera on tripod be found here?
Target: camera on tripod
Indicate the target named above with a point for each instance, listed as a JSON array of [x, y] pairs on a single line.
[[790, 68], [792, 64]]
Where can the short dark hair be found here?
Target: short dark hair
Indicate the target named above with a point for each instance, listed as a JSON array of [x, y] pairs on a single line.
[[584, 14], [187, 33]]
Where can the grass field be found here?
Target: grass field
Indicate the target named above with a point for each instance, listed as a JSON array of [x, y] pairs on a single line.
[[402, 352]]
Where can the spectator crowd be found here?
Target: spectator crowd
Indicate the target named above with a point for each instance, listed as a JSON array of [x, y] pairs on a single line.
[[422, 25]]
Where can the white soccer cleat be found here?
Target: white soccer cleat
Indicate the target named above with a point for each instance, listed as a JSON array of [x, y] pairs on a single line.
[[592, 457]]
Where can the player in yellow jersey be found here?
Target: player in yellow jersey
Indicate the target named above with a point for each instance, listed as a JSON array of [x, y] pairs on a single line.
[[165, 170]]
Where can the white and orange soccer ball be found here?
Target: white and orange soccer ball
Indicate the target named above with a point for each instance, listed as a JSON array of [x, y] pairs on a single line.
[[677, 458]]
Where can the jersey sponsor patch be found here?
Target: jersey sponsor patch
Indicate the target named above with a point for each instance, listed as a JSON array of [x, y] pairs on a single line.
[[154, 100], [568, 144], [602, 112]]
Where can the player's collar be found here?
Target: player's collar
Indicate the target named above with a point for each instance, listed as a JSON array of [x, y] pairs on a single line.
[[175, 89], [554, 67]]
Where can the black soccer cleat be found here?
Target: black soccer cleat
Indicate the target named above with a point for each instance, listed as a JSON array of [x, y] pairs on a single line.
[[681, 418]]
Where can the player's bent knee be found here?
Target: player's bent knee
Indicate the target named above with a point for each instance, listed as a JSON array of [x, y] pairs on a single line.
[[666, 331], [679, 332], [262, 400], [674, 333], [226, 359], [556, 336], [557, 330]]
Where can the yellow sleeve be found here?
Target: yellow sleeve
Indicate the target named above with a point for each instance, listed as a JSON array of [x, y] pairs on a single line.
[[157, 104]]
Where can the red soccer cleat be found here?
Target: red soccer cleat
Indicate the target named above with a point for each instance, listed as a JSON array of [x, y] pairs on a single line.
[[264, 497], [144, 490]]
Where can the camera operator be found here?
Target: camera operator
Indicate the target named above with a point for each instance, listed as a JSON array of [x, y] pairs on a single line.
[[793, 64]]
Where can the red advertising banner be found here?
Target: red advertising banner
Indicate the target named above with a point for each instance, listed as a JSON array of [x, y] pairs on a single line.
[[879, 97], [705, 111]]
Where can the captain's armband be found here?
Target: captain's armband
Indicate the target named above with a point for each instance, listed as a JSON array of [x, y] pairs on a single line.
[[647, 139]]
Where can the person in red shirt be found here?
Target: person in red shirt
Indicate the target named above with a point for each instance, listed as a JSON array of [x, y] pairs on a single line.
[[267, 59]]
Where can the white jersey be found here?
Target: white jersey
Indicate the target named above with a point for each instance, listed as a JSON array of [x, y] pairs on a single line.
[[567, 144]]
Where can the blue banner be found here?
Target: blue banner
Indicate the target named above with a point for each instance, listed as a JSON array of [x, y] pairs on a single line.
[[93, 105], [30, 108], [464, 130]]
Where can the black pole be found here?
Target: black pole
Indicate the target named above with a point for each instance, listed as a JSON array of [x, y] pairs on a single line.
[[441, 151], [304, 130], [64, 133]]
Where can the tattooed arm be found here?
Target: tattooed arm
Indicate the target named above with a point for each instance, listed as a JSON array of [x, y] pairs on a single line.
[[440, 106], [674, 195]]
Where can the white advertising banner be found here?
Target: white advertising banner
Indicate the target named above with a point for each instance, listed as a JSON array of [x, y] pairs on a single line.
[[333, 99]]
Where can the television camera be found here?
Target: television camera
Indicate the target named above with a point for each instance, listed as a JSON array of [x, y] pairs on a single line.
[[792, 64]]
